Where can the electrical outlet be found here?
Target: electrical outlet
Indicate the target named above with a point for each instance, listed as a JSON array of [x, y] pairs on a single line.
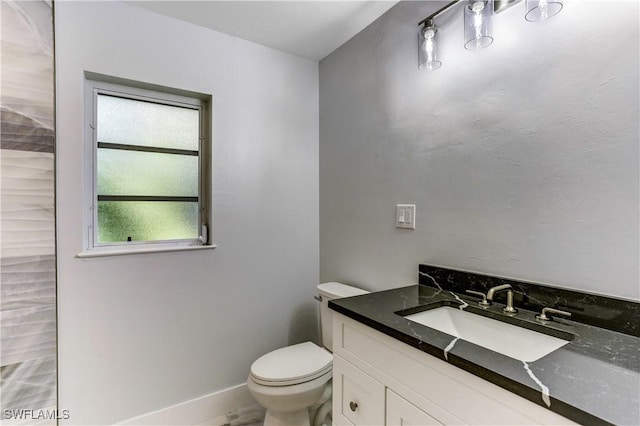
[[406, 216]]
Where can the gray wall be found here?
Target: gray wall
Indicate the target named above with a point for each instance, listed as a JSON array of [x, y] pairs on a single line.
[[28, 261], [142, 332], [522, 158]]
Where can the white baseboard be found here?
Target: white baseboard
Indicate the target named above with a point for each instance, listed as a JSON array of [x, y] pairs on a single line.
[[197, 410]]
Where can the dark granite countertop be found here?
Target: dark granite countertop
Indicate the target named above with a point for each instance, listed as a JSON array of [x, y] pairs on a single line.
[[594, 379]]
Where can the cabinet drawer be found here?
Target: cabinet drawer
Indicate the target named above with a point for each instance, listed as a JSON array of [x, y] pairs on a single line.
[[447, 393], [401, 412], [358, 398]]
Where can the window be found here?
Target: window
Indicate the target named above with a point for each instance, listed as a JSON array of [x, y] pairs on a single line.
[[150, 168]]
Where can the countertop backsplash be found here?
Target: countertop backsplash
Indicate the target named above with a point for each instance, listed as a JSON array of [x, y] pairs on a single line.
[[613, 314]]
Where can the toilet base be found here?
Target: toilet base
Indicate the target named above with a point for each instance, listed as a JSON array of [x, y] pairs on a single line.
[[322, 416], [292, 405], [289, 418]]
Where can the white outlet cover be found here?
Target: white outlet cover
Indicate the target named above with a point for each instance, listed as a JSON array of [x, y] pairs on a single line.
[[406, 216]]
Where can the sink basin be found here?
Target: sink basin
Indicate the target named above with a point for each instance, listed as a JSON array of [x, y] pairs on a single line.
[[510, 340]]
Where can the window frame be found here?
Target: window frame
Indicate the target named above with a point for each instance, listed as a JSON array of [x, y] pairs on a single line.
[[109, 86]]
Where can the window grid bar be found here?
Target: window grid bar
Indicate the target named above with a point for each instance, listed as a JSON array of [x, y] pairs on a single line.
[[149, 100], [146, 198], [139, 148]]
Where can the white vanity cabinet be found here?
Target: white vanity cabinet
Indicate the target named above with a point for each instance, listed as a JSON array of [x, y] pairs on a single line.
[[401, 412], [379, 380], [359, 399]]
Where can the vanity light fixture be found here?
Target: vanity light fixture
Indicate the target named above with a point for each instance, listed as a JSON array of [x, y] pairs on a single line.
[[428, 47], [477, 24], [478, 32], [541, 10]]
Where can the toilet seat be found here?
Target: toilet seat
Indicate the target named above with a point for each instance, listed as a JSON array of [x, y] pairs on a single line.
[[290, 398], [292, 365]]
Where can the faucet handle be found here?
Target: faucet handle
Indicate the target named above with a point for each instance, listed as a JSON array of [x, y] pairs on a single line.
[[544, 317], [484, 301]]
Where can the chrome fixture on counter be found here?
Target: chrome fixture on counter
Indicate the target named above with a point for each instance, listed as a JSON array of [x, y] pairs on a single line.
[[484, 302], [478, 32], [544, 317], [504, 287]]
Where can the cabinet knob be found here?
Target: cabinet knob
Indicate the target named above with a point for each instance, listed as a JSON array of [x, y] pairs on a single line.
[[353, 406]]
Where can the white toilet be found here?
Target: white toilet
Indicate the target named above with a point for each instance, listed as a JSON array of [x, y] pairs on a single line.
[[293, 381]]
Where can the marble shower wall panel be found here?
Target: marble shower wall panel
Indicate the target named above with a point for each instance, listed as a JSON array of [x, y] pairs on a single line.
[[28, 227], [27, 75], [29, 384], [28, 333], [27, 282], [27, 195]]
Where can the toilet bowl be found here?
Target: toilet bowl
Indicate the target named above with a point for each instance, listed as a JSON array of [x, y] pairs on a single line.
[[289, 380], [292, 381]]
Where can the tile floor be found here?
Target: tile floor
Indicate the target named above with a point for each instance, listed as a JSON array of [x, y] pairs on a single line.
[[252, 415]]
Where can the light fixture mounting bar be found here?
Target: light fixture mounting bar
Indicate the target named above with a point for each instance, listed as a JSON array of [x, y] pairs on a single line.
[[439, 12], [502, 5], [498, 6]]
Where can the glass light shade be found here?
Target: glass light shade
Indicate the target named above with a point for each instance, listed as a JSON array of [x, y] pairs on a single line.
[[541, 10], [428, 49], [478, 28]]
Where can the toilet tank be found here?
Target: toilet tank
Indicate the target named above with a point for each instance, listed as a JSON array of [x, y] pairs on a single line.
[[327, 292]]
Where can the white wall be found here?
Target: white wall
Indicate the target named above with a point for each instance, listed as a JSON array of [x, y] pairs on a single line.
[[522, 158], [142, 332]]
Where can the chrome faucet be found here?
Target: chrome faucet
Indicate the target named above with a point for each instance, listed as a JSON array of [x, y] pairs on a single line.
[[544, 317], [493, 290], [484, 302]]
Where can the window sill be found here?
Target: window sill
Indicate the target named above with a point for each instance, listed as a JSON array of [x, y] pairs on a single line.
[[146, 250]]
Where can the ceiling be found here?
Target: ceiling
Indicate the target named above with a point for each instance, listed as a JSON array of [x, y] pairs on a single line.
[[311, 29]]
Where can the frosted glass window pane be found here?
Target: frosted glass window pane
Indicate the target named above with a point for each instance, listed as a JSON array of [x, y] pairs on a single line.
[[123, 172], [146, 221], [133, 122]]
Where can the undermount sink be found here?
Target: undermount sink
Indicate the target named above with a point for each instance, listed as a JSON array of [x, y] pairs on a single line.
[[510, 340]]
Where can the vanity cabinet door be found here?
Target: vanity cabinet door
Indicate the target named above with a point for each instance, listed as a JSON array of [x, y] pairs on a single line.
[[401, 412], [358, 399]]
